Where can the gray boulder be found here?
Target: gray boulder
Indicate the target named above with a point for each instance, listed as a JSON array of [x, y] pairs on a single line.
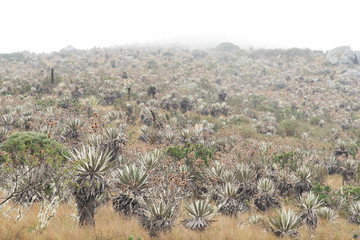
[[357, 54], [330, 83], [341, 55], [349, 77]]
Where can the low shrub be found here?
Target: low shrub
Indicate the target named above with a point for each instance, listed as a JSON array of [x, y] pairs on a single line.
[[351, 192], [191, 152], [323, 191], [292, 128], [21, 145], [286, 160]]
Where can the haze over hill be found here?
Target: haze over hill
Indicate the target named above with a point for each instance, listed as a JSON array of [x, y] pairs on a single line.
[[44, 26], [166, 142]]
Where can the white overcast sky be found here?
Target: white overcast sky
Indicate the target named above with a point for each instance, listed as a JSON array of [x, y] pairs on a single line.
[[49, 25]]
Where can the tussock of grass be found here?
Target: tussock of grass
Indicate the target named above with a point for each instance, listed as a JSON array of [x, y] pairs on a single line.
[[335, 181]]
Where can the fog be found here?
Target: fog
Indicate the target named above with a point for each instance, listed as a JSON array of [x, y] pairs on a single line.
[[45, 26]]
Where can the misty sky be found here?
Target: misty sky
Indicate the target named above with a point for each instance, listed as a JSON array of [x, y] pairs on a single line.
[[49, 25]]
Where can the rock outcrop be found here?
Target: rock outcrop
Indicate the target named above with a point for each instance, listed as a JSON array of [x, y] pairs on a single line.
[[342, 55]]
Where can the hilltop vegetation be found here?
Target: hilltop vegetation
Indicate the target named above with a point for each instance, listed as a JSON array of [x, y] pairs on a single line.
[[174, 143]]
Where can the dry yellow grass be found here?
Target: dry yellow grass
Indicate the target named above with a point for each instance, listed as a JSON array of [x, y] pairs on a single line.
[[110, 225], [335, 181]]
